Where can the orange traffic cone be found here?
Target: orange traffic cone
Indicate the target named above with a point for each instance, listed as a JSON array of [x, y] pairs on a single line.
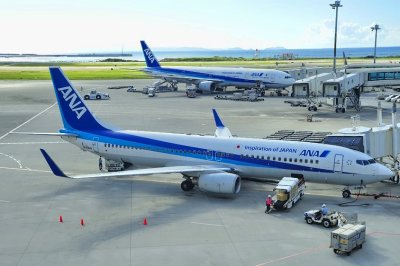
[[61, 219], [82, 222], [145, 221]]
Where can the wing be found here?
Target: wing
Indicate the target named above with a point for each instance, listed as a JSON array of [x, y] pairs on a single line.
[[148, 171]]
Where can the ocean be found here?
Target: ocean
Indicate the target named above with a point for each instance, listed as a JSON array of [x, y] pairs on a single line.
[[268, 53]]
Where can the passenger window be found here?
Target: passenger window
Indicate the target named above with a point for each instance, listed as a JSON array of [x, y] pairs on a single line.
[[284, 159], [268, 158], [306, 161], [300, 160], [290, 159], [311, 161], [279, 158], [316, 161], [273, 158], [295, 160]]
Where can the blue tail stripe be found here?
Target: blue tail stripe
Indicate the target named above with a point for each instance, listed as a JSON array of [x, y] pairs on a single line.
[[74, 112], [151, 60], [53, 166]]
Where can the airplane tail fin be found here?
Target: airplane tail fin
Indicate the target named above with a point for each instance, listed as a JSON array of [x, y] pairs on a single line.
[[221, 131], [345, 59], [74, 112], [151, 60]]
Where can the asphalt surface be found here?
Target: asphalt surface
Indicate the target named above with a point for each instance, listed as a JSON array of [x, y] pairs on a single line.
[[182, 227]]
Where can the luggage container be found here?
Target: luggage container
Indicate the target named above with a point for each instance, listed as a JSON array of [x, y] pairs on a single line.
[[347, 238]]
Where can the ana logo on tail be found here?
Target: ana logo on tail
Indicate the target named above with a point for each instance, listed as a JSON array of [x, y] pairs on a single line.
[[149, 55], [74, 103]]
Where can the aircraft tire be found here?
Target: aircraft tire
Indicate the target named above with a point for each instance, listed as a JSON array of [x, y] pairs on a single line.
[[346, 193], [326, 223], [187, 185], [86, 97]]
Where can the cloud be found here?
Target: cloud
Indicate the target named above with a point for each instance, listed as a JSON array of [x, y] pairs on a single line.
[[349, 34]]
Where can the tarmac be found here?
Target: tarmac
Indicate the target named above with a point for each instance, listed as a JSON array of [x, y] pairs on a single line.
[[183, 228]]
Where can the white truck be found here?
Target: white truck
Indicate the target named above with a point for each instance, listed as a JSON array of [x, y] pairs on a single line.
[[288, 191], [95, 95]]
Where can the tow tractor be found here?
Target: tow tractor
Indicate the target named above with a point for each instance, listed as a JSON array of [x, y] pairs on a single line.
[[95, 95], [288, 191], [328, 220]]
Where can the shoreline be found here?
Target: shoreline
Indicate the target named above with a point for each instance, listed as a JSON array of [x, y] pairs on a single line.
[[132, 70]]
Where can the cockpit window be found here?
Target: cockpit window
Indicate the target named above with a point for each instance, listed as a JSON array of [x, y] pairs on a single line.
[[365, 162], [288, 77]]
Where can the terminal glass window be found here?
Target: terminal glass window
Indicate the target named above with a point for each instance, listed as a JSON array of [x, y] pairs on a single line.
[[383, 76]]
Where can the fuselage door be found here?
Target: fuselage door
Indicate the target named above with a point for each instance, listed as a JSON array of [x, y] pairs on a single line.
[[338, 164], [95, 144]]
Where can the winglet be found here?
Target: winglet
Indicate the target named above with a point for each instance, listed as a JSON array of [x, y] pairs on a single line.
[[151, 60], [221, 131], [218, 121], [53, 166]]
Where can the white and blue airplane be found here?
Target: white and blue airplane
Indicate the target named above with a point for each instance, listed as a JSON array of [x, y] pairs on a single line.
[[210, 78], [213, 163]]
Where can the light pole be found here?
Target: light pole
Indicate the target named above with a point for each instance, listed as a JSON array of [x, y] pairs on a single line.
[[375, 28], [336, 6]]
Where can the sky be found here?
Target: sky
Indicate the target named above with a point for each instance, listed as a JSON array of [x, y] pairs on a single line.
[[68, 26]]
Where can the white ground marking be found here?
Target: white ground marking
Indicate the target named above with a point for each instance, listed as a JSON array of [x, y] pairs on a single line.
[[30, 119], [12, 158], [25, 169], [220, 225]]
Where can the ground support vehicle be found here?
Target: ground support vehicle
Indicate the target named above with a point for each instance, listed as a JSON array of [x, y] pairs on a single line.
[[328, 220], [113, 166], [288, 191], [95, 95], [347, 238]]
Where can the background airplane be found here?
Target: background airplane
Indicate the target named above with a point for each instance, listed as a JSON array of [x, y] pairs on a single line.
[[213, 163], [212, 78]]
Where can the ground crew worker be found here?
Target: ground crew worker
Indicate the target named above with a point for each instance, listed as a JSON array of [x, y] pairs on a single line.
[[100, 164], [268, 204], [324, 209]]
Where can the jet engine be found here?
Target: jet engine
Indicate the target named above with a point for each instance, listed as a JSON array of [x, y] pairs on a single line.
[[207, 86], [224, 183]]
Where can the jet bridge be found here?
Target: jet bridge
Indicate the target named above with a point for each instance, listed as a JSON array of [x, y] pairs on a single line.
[[344, 89], [379, 142], [311, 88]]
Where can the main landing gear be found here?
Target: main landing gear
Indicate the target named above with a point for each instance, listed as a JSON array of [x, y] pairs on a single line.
[[189, 183]]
